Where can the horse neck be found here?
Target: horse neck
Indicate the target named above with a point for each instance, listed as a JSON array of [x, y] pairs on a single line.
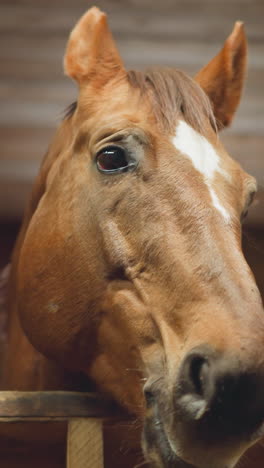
[[24, 367]]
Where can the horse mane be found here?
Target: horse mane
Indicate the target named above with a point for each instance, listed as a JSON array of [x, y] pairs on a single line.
[[172, 93]]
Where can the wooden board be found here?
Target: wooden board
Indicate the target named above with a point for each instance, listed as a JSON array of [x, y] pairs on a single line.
[[59, 406]]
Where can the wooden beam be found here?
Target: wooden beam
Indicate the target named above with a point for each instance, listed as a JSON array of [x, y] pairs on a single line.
[[57, 405]]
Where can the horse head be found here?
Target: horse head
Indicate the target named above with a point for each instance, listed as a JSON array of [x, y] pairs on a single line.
[[131, 269]]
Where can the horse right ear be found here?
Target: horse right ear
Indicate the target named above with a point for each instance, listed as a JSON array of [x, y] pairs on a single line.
[[91, 52], [223, 78]]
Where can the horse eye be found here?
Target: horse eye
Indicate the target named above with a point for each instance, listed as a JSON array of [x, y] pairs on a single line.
[[114, 159]]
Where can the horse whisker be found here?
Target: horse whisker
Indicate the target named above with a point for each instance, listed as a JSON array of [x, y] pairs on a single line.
[[141, 464]]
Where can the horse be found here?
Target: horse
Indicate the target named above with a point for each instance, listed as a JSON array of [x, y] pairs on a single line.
[[128, 268]]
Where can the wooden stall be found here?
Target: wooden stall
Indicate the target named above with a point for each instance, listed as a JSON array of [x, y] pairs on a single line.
[[82, 413]]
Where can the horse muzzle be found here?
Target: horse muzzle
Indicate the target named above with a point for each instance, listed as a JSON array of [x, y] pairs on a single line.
[[209, 417]]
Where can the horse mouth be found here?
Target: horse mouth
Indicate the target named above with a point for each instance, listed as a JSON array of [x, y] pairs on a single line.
[[213, 414], [158, 448]]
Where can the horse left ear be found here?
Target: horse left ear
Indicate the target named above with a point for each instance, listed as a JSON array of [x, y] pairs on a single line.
[[223, 78], [91, 53]]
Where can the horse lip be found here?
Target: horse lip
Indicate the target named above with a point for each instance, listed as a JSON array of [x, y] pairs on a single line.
[[179, 463], [173, 461]]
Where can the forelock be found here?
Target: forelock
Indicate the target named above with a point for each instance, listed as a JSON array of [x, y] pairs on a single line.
[[173, 93]]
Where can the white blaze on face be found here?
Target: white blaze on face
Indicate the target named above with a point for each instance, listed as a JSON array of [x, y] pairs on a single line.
[[204, 158]]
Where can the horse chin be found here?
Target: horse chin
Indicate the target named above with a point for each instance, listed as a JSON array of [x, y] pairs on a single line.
[[160, 451], [163, 456]]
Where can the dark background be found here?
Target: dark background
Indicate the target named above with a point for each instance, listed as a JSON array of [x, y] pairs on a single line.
[[181, 33]]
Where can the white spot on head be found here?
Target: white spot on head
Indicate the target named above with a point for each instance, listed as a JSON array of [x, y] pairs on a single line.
[[204, 158]]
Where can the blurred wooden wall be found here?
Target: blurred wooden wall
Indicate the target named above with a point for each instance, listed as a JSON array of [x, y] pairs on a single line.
[[181, 33]]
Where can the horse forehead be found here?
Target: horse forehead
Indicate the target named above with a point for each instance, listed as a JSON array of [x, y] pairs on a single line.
[[199, 150], [205, 159]]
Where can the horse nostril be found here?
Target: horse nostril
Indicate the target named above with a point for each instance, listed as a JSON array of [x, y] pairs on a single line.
[[195, 385], [199, 374], [216, 390], [195, 374]]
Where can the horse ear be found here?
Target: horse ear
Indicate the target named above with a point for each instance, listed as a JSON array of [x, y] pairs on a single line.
[[222, 79], [91, 51]]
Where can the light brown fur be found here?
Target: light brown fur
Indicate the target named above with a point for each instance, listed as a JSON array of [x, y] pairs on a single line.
[[120, 277]]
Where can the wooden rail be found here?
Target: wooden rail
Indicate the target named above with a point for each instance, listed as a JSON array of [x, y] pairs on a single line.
[[84, 413]]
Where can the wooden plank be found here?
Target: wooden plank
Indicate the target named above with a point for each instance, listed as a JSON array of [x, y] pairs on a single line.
[[59, 406], [132, 18], [23, 145], [85, 444], [45, 54], [247, 149], [13, 198]]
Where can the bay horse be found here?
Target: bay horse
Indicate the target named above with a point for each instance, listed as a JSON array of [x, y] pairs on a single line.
[[128, 268]]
